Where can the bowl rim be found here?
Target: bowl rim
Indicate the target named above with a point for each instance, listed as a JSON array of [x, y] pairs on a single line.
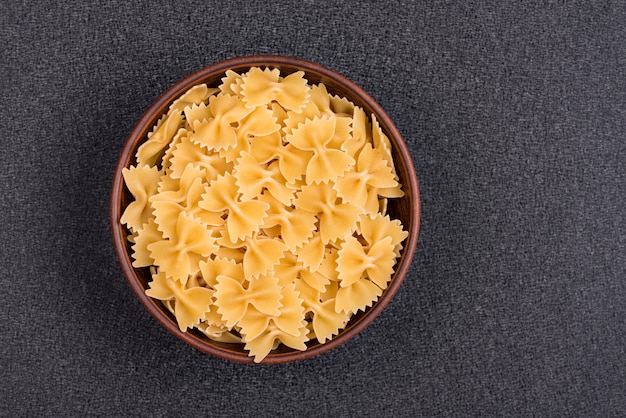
[[159, 106]]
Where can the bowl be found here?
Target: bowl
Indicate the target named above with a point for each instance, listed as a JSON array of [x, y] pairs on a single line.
[[406, 208]]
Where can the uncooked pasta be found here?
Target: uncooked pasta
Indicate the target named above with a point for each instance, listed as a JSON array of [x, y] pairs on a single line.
[[260, 208]]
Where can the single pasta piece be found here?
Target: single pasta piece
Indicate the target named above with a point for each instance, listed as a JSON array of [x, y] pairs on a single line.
[[159, 138], [244, 217], [179, 256], [142, 181], [314, 135], [337, 219]]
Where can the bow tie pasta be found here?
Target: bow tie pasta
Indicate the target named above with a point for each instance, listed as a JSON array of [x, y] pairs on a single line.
[[260, 209]]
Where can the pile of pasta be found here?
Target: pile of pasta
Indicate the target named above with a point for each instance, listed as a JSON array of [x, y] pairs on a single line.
[[260, 208]]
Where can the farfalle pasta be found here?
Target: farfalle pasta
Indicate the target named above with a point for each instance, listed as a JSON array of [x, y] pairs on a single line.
[[260, 209]]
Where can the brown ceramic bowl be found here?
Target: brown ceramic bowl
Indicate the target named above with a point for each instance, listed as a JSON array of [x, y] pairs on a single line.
[[407, 208]]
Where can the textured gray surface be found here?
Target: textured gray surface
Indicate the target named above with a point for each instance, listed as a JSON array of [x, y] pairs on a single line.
[[515, 116]]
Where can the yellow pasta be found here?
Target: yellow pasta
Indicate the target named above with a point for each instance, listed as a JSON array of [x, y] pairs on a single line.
[[196, 113], [354, 260], [218, 133], [187, 152], [336, 218], [261, 253], [325, 320], [219, 266], [371, 174], [360, 133], [292, 161], [179, 256], [314, 135], [341, 104], [167, 204], [232, 298], [142, 181], [244, 217], [296, 225], [228, 81], [376, 228], [260, 208], [194, 96], [292, 118], [159, 138], [253, 177], [260, 331], [144, 237], [311, 253], [261, 87], [191, 303]]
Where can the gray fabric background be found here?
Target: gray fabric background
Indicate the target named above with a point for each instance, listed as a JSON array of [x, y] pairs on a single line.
[[515, 115]]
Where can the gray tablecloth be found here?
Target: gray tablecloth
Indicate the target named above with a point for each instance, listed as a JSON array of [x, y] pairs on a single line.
[[515, 115]]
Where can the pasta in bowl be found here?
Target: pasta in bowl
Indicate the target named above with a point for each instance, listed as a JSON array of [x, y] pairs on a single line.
[[265, 209]]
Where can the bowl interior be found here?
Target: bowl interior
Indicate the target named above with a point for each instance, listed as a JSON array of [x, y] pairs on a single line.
[[406, 209]]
